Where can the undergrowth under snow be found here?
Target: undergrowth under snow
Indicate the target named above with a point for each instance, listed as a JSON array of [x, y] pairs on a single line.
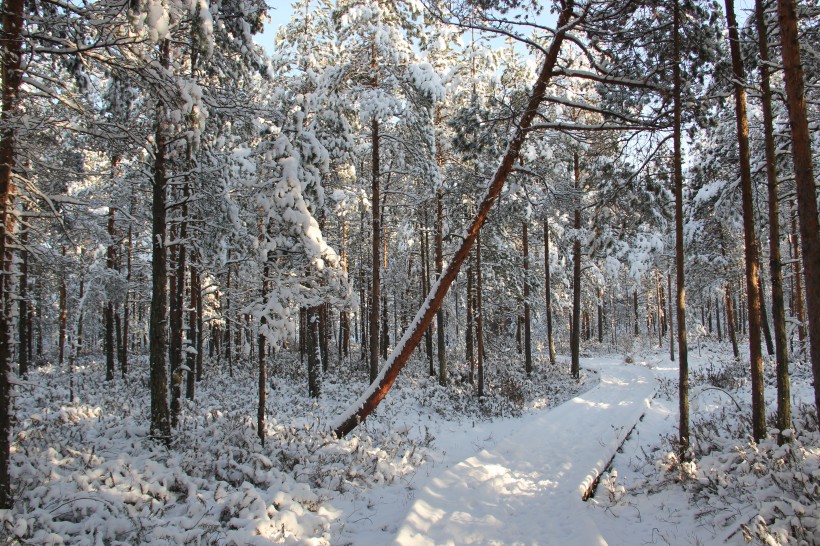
[[86, 471]]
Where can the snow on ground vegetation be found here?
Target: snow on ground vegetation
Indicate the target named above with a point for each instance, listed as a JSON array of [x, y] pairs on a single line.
[[733, 490], [86, 471]]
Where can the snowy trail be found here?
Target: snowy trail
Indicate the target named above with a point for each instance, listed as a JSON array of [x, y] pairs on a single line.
[[527, 489]]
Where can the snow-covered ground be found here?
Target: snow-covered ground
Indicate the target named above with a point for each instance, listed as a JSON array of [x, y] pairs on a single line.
[[433, 466]]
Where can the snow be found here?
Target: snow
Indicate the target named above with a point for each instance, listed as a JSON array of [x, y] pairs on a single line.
[[428, 467], [500, 494]]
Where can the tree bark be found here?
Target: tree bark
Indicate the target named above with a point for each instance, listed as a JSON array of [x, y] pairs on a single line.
[[680, 295], [24, 318], [469, 341], [527, 325], [799, 309], [109, 307], [441, 349], [479, 324], [376, 248], [804, 178], [160, 418], [750, 247], [575, 334], [730, 319], [548, 293], [404, 348]]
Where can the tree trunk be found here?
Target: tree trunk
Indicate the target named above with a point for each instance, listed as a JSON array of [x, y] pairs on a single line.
[[314, 352], [160, 418], [671, 329], [804, 178], [191, 345], [548, 293], [376, 248], [575, 334], [24, 319], [441, 349], [527, 325], [730, 319], [470, 326], [680, 295], [109, 307], [717, 319], [425, 257], [479, 324], [11, 39], [200, 332], [404, 348], [797, 288], [764, 319], [600, 315], [635, 310]]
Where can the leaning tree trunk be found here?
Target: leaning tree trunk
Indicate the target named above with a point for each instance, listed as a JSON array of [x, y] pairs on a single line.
[[804, 178], [405, 347], [752, 282]]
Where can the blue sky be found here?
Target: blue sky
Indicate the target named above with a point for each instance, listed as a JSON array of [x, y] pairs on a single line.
[[279, 14]]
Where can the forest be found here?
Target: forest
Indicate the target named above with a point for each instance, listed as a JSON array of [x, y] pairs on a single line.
[[320, 293]]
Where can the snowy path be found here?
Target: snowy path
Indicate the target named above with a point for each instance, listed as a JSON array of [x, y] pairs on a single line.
[[526, 490]]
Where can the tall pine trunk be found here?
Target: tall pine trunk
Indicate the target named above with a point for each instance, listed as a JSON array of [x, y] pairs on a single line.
[[160, 418], [11, 42], [750, 247], [680, 294], [376, 247], [441, 349], [804, 178], [575, 334], [527, 326], [548, 293]]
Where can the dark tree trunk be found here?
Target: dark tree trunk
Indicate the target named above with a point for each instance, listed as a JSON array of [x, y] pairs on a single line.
[[635, 310], [600, 315], [671, 328], [376, 248], [479, 324], [548, 293], [441, 348], [11, 43], [797, 287], [24, 318], [160, 418], [470, 326], [527, 326], [191, 346], [425, 257], [804, 178], [717, 319], [752, 281], [730, 319], [764, 319], [314, 351], [200, 332], [109, 307], [575, 334]]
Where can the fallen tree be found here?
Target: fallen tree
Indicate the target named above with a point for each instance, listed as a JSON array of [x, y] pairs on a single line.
[[380, 386]]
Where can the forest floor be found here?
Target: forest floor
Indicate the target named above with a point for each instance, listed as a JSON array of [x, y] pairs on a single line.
[[432, 466]]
